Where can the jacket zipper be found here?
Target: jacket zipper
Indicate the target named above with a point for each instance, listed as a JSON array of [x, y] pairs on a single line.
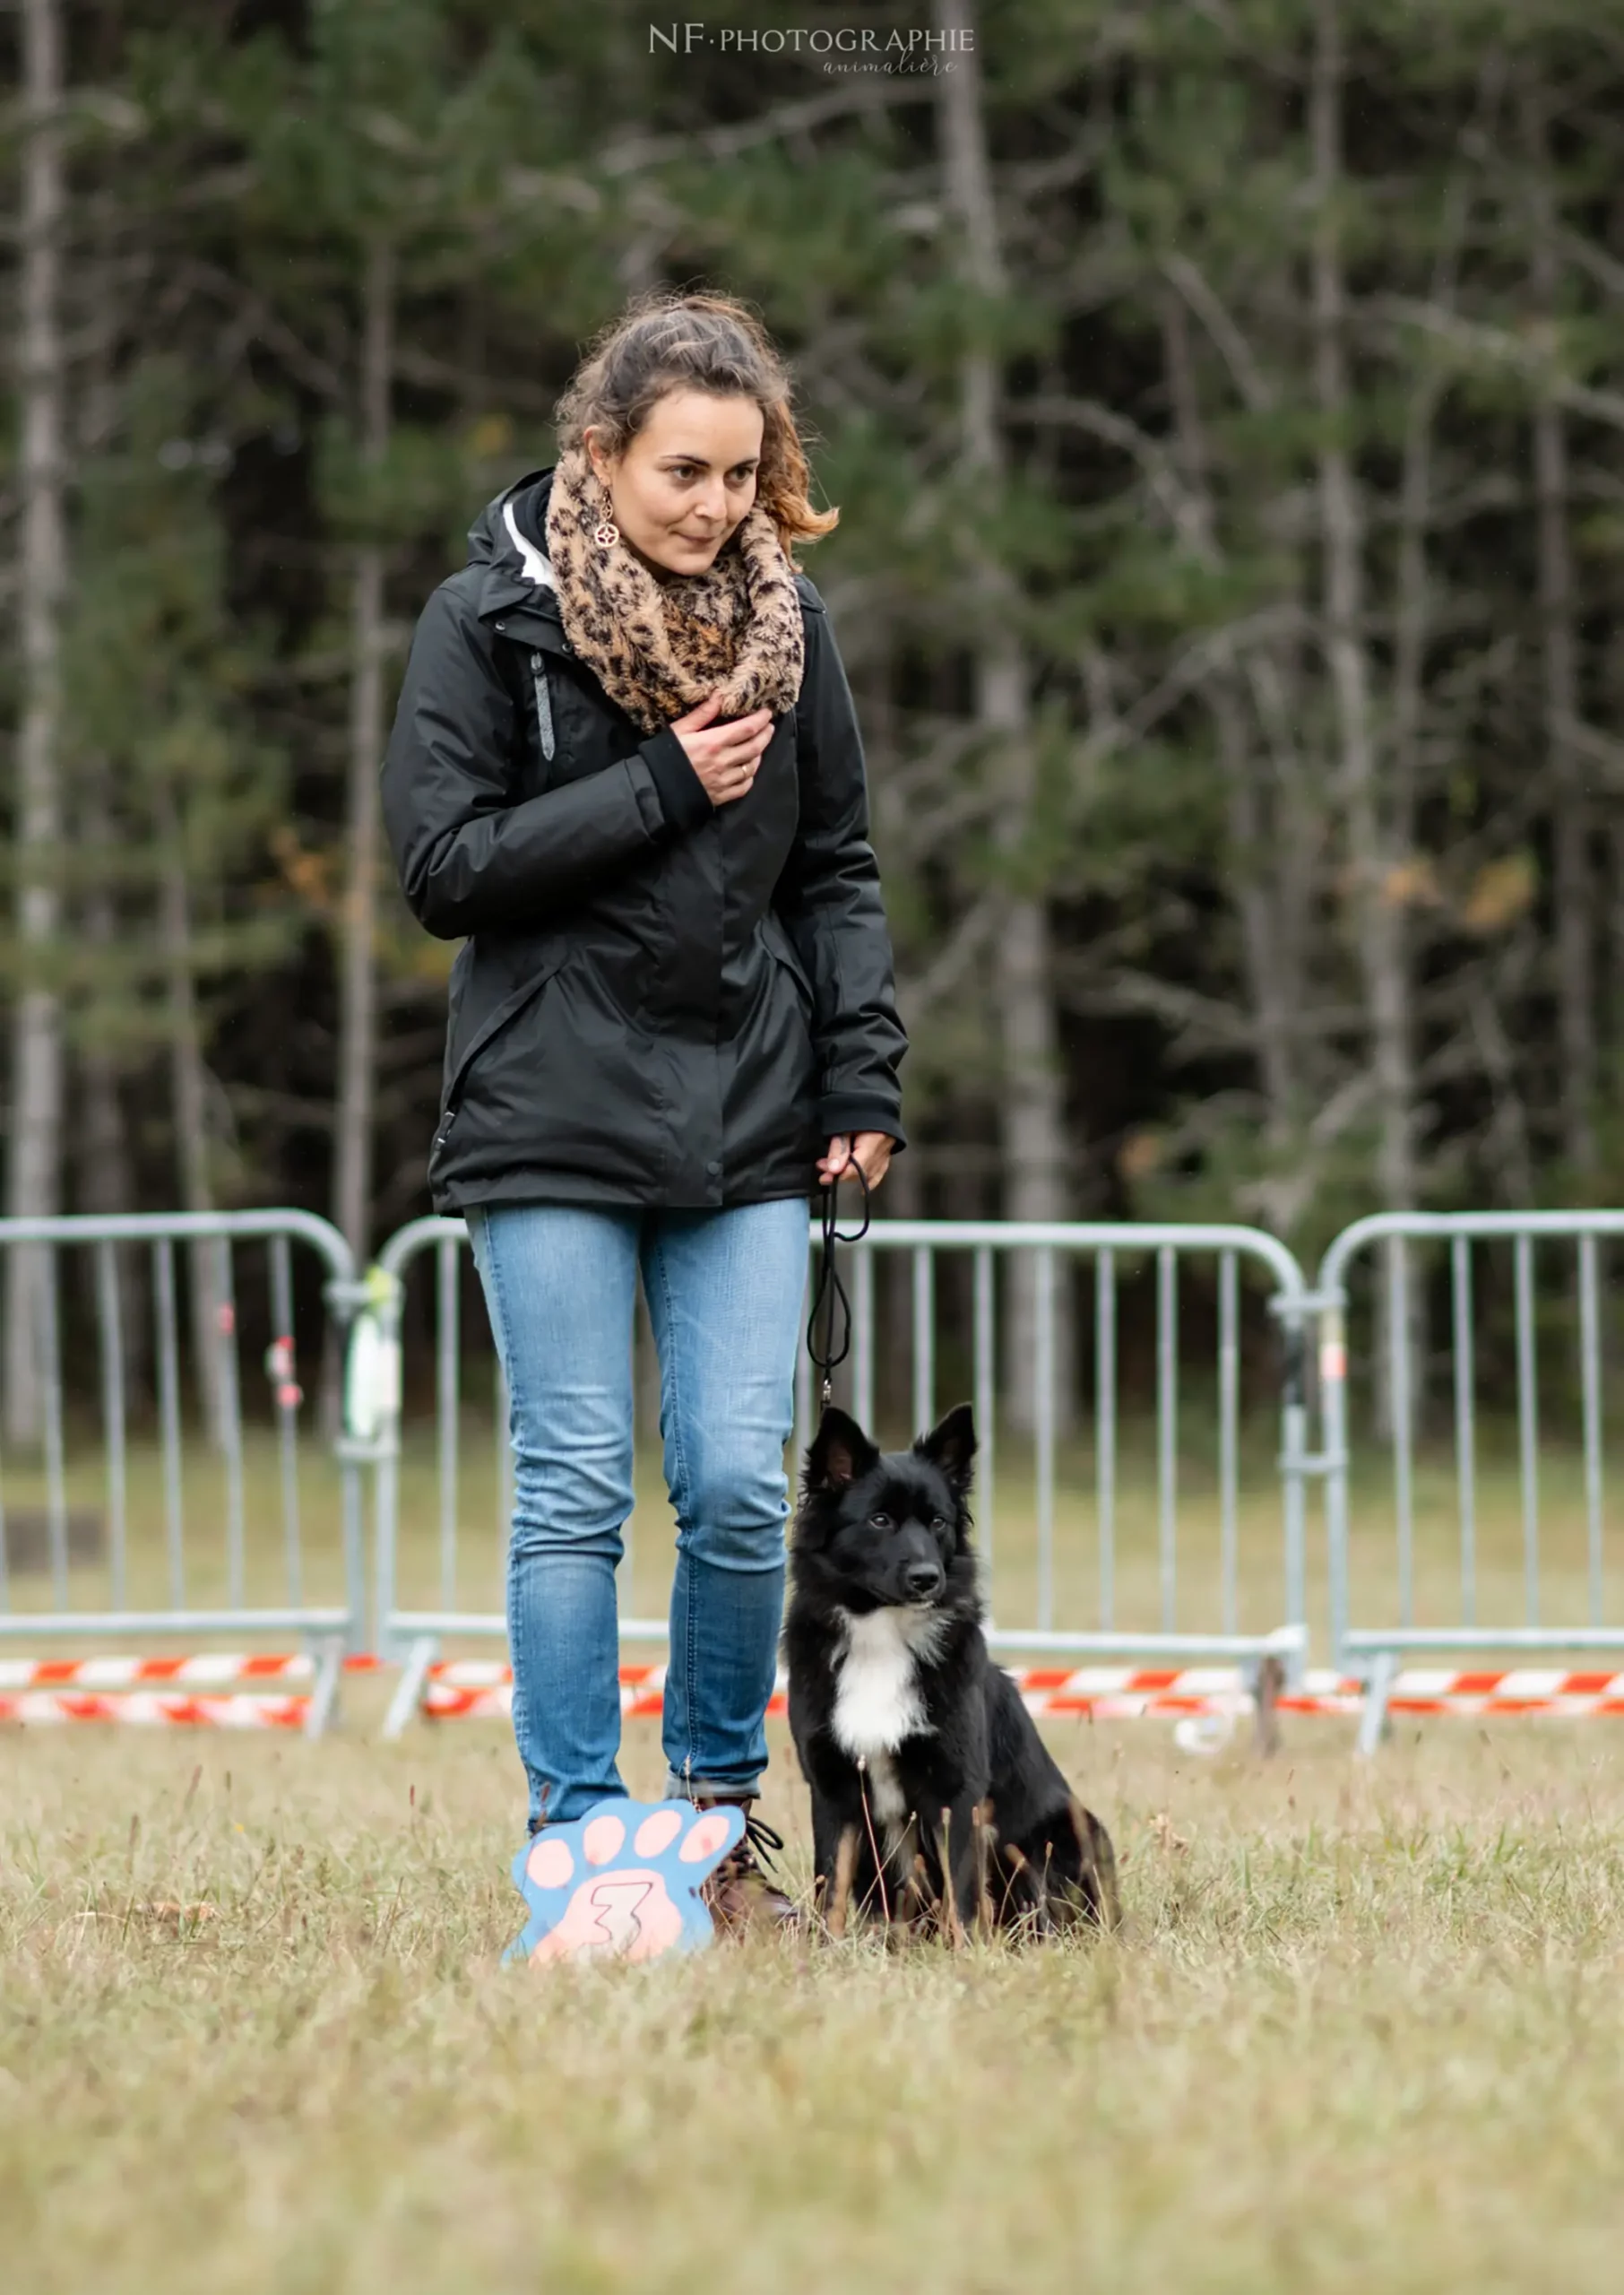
[[544, 708], [493, 1026]]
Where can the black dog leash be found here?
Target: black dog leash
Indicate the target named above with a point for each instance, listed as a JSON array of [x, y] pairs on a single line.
[[829, 1286]]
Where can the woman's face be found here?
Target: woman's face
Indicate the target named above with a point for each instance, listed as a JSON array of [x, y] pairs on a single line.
[[685, 481]]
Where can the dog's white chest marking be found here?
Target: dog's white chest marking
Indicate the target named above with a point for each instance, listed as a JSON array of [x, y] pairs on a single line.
[[886, 1798], [878, 1699]]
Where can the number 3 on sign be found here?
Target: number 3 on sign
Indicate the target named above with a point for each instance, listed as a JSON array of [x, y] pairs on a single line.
[[623, 1882]]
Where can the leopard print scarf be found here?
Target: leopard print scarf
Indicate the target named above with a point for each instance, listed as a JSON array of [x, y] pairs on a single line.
[[658, 648]]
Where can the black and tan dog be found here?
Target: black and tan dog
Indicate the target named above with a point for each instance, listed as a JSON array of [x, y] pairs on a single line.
[[922, 1760]]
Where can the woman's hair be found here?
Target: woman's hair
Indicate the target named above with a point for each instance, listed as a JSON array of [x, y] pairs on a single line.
[[664, 342]]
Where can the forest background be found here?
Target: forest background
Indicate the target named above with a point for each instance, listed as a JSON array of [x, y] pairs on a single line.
[[1224, 401]]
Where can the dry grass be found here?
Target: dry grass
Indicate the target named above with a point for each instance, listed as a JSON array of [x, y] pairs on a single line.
[[1366, 2030]]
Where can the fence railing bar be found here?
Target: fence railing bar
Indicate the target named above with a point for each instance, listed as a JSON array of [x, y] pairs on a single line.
[[224, 1340], [448, 1356], [55, 1497], [168, 1414], [986, 1404], [285, 1405], [43, 1626], [1401, 1394], [1167, 1428], [1044, 1301], [1229, 1417], [1590, 1389], [1105, 1431], [109, 1334], [862, 1340], [1527, 1419], [924, 1338], [1465, 1430]]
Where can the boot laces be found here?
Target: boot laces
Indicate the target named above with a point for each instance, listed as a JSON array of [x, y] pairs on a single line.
[[755, 1850]]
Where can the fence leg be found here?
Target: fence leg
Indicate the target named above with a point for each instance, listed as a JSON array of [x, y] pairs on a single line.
[[1267, 1686], [1290, 1644], [1373, 1714], [409, 1690], [329, 1673]]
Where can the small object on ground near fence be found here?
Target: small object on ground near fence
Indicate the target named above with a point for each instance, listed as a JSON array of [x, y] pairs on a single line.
[[1265, 1715], [27, 1539], [623, 1882], [372, 1364]]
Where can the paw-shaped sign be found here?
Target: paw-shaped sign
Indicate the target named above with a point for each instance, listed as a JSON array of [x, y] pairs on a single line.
[[622, 1881]]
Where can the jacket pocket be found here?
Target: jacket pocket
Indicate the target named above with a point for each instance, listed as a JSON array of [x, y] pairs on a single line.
[[782, 950], [505, 1013]]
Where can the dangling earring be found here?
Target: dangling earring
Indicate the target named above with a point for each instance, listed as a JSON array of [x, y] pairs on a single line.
[[606, 534]]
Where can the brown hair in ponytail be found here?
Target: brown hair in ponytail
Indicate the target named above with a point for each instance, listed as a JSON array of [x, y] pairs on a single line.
[[664, 342]]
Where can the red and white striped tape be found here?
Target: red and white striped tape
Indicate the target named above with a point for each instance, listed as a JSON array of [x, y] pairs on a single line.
[[214, 1670], [473, 1688], [162, 1692], [146, 1709]]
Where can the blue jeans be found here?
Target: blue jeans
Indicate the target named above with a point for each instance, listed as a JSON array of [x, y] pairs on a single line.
[[725, 1292]]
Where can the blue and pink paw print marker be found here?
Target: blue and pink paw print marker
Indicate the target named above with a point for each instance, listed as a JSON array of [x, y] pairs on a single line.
[[622, 1881]]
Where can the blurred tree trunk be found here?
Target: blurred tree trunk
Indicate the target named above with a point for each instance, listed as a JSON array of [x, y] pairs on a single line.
[[1030, 1105], [1575, 898], [1274, 988], [358, 1036], [358, 1024], [33, 1174], [1379, 915]]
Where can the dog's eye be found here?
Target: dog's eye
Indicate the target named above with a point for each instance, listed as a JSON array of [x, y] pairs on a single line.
[[881, 1522], [938, 1521]]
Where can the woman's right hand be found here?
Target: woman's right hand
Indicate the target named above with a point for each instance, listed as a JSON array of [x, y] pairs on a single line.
[[725, 756]]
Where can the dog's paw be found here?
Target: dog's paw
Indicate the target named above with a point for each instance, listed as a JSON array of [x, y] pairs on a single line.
[[622, 1881]]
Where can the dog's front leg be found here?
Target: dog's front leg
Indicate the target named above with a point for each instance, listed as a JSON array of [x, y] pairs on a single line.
[[833, 1860], [964, 1889]]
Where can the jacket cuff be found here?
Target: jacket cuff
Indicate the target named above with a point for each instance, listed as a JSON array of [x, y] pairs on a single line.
[[684, 799], [848, 1114]]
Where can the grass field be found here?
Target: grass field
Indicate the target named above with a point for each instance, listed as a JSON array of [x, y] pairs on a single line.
[[1365, 2029]]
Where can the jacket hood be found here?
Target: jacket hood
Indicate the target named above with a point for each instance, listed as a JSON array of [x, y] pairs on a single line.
[[510, 530]]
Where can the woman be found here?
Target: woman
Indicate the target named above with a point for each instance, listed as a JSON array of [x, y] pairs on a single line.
[[626, 771]]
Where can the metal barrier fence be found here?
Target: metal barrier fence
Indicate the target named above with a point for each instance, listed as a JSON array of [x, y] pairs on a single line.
[[123, 1537], [1255, 1555], [1491, 1585]]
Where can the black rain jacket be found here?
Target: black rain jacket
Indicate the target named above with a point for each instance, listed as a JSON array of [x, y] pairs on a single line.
[[657, 1001]]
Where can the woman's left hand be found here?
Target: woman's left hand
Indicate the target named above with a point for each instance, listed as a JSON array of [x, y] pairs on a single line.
[[871, 1149]]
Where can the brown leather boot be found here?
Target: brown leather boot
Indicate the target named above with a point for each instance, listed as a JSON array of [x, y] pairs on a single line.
[[739, 1893]]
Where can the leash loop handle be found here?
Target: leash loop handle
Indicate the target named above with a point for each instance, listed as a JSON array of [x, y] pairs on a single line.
[[829, 1287]]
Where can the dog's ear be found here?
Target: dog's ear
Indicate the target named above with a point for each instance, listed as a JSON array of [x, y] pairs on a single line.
[[950, 1446], [839, 1451]]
